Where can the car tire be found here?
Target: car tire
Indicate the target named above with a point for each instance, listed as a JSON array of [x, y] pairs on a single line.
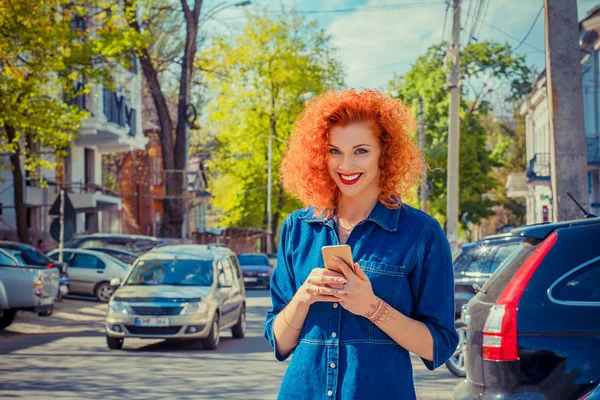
[[239, 329], [214, 336], [6, 318], [456, 363], [114, 343], [103, 292]]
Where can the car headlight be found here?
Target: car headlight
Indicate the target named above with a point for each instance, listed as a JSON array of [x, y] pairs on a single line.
[[263, 274], [117, 307], [194, 308]]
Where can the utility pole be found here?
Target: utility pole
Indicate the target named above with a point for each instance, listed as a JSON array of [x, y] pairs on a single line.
[[424, 188], [454, 130], [61, 235], [568, 153], [270, 187]]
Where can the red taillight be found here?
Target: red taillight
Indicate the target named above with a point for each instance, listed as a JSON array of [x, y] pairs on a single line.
[[37, 284], [49, 265], [500, 329]]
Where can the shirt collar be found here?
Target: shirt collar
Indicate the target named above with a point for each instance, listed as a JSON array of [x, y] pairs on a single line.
[[385, 217]]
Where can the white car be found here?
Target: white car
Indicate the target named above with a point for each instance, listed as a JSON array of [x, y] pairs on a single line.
[[91, 272]]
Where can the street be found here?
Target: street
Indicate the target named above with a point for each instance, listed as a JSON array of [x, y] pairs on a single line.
[[65, 356]]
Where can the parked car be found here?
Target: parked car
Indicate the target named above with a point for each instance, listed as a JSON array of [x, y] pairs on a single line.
[[122, 255], [91, 272], [137, 244], [179, 292], [25, 288], [474, 264], [272, 260], [27, 255], [594, 394], [256, 269], [534, 328]]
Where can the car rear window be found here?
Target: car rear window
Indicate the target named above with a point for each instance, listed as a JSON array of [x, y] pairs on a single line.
[[253, 259], [582, 284], [507, 269]]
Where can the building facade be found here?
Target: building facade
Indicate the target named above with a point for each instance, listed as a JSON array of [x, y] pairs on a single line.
[[114, 125], [535, 183]]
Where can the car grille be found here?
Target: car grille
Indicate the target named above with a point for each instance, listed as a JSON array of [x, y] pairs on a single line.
[[152, 330], [156, 310]]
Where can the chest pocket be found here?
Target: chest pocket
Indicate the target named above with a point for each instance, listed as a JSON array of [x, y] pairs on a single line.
[[387, 281]]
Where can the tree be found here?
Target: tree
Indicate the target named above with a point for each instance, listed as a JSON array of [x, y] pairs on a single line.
[[47, 49], [172, 128], [488, 69], [263, 73]]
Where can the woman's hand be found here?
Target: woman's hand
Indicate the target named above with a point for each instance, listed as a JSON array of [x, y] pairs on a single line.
[[321, 285], [357, 296]]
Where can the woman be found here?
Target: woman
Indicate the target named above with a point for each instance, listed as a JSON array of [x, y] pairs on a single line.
[[350, 161]]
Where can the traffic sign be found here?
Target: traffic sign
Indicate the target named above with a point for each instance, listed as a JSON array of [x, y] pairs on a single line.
[[55, 229], [69, 209]]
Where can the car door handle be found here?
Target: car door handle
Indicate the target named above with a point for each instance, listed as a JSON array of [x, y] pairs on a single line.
[[99, 271]]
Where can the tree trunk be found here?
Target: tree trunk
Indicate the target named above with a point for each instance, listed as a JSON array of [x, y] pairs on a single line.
[[173, 156], [18, 186]]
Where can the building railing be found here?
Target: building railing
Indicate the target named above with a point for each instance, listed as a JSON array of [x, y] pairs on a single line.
[[118, 112], [539, 168], [76, 187]]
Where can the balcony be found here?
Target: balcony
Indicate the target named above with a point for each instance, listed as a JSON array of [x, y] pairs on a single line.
[[89, 197], [115, 129], [538, 171]]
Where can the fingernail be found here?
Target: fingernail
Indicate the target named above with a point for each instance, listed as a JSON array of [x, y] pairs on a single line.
[[341, 292], [336, 258], [341, 280]]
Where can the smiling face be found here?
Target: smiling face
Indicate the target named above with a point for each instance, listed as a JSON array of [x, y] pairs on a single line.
[[354, 159]]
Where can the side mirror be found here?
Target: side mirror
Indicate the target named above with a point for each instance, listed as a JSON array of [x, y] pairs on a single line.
[[226, 283], [114, 282]]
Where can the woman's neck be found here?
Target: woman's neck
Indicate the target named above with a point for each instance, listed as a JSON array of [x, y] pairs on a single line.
[[356, 208]]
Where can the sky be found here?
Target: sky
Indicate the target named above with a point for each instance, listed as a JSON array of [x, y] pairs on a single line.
[[379, 38]]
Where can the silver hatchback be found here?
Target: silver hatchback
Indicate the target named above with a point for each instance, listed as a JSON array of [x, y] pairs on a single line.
[[179, 292]]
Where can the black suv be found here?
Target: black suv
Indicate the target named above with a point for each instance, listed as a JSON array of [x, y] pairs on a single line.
[[534, 328], [474, 264]]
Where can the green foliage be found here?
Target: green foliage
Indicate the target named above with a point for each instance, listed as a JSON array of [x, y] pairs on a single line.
[[44, 54], [260, 77], [487, 69]]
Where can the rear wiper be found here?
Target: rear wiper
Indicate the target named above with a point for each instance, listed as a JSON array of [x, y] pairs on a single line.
[[478, 288]]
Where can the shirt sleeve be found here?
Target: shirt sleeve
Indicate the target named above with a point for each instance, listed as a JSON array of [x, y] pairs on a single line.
[[283, 286], [432, 282]]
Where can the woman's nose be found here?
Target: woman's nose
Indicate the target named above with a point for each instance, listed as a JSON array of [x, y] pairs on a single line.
[[346, 164]]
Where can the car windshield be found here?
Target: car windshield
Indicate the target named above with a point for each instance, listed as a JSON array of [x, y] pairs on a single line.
[[172, 272], [472, 259], [253, 259]]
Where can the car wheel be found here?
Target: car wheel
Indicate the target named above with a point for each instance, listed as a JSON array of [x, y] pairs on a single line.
[[104, 291], [239, 329], [456, 363], [6, 318], [114, 343], [214, 336]]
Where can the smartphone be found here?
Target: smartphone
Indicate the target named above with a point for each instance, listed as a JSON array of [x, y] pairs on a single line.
[[343, 251]]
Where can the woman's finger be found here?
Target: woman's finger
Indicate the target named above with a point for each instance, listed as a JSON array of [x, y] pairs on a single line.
[[360, 273], [348, 273], [333, 280]]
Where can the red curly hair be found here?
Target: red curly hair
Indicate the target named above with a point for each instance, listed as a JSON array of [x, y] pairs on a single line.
[[304, 172]]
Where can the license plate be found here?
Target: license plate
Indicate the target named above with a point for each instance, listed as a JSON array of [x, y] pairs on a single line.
[[46, 301], [250, 279], [152, 321]]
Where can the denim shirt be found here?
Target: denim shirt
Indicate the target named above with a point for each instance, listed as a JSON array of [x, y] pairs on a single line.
[[407, 258]]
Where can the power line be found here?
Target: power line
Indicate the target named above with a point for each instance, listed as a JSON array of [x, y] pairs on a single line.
[[371, 9], [530, 28], [445, 19], [511, 36]]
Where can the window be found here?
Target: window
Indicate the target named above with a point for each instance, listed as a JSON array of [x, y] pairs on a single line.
[[87, 261], [501, 255], [225, 272], [66, 256], [580, 285], [6, 260], [236, 266]]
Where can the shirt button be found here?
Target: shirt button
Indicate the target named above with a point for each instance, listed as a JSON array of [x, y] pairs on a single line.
[[330, 393], [333, 334], [335, 305], [332, 365]]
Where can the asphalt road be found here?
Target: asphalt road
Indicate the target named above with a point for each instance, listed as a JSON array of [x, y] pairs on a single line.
[[65, 356]]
